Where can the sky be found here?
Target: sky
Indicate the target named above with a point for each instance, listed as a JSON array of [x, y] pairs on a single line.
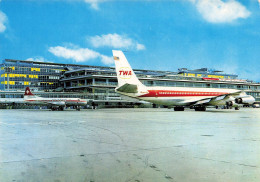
[[156, 35]]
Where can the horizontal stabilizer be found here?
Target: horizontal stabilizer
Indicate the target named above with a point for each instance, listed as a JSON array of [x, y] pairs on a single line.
[[127, 88]]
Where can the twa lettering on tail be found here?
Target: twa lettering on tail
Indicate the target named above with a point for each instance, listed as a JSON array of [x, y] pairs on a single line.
[[177, 97], [122, 72], [125, 73]]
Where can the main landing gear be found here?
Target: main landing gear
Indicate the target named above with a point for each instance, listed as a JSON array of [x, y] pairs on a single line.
[[60, 108], [197, 108], [200, 108], [77, 108], [178, 108]]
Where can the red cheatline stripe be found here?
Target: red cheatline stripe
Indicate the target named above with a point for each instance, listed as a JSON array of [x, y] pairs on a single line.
[[172, 93]]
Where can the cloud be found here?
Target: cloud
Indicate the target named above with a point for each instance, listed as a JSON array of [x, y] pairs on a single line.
[[140, 47], [94, 3], [79, 54], [37, 59], [115, 41], [107, 60], [217, 11], [3, 20]]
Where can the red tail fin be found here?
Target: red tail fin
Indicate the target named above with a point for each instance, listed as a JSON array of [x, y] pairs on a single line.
[[28, 91]]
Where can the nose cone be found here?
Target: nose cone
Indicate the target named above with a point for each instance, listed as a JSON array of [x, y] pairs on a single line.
[[253, 99], [84, 102]]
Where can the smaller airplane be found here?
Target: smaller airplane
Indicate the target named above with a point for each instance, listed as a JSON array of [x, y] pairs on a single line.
[[54, 103]]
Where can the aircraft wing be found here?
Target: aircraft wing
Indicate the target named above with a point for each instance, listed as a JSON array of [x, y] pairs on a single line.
[[57, 103], [221, 99], [214, 100]]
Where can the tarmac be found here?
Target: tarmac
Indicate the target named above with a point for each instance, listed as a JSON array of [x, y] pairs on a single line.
[[130, 145]]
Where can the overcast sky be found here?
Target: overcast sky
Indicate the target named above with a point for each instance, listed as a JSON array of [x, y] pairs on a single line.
[[157, 35]]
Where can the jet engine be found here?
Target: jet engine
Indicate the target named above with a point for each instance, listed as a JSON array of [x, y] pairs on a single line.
[[230, 103], [245, 100]]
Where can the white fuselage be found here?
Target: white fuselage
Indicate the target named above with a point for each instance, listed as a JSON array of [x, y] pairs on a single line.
[[178, 96], [56, 101], [11, 100]]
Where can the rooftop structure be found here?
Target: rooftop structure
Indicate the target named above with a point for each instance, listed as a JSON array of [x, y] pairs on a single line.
[[206, 73]]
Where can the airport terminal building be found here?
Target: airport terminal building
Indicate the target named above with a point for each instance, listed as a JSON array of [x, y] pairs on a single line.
[[97, 83]]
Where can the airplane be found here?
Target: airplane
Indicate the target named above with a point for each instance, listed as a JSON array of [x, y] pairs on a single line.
[[54, 103], [176, 97], [11, 101]]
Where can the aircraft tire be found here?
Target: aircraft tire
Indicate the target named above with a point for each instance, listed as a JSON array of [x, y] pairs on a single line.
[[178, 108], [202, 108], [77, 108]]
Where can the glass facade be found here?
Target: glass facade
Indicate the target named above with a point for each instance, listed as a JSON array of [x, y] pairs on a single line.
[[17, 75]]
